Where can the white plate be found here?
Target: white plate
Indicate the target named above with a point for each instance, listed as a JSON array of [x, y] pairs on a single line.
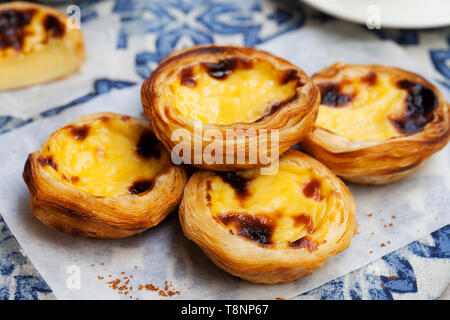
[[407, 14]]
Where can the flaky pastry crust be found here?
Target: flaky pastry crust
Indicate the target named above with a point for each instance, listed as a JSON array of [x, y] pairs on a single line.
[[379, 162], [293, 119], [81, 214], [263, 261]]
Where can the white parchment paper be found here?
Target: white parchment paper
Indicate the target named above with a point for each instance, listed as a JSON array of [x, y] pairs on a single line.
[[389, 216]]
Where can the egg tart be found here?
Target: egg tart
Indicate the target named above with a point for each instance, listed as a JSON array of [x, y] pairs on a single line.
[[104, 175], [376, 124], [269, 228], [36, 45], [229, 108]]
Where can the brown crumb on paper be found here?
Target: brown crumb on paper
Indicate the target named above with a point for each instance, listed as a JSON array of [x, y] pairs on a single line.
[[124, 286]]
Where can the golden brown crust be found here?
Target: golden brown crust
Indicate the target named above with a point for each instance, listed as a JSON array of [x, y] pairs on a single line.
[[378, 162], [248, 259], [293, 120], [81, 214], [56, 27]]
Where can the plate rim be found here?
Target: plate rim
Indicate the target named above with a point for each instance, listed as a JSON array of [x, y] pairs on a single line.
[[321, 6]]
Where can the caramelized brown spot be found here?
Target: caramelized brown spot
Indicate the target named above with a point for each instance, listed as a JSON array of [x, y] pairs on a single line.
[[125, 118], [54, 26], [12, 23], [331, 95], [288, 76], [222, 69], [304, 242], [140, 186], [79, 133], [257, 228], [305, 220], [74, 179], [420, 103], [208, 195], [104, 118], [237, 182], [370, 79], [277, 106], [147, 145], [187, 77], [47, 161], [312, 190]]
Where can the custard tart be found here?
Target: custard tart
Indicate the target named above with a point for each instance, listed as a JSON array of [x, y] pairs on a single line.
[[229, 108], [376, 124], [269, 228], [104, 175], [36, 45]]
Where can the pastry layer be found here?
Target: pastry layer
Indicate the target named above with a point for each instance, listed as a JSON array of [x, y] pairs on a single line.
[[374, 106], [228, 88], [105, 157], [231, 90], [269, 228]]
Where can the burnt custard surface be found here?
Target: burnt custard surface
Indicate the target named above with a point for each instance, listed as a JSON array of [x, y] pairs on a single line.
[[376, 124], [270, 228], [225, 89], [104, 175], [375, 106], [36, 45]]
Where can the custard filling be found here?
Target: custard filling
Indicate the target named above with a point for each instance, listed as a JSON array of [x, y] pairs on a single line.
[[293, 208], [375, 107], [106, 157], [35, 48], [231, 90], [50, 62]]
